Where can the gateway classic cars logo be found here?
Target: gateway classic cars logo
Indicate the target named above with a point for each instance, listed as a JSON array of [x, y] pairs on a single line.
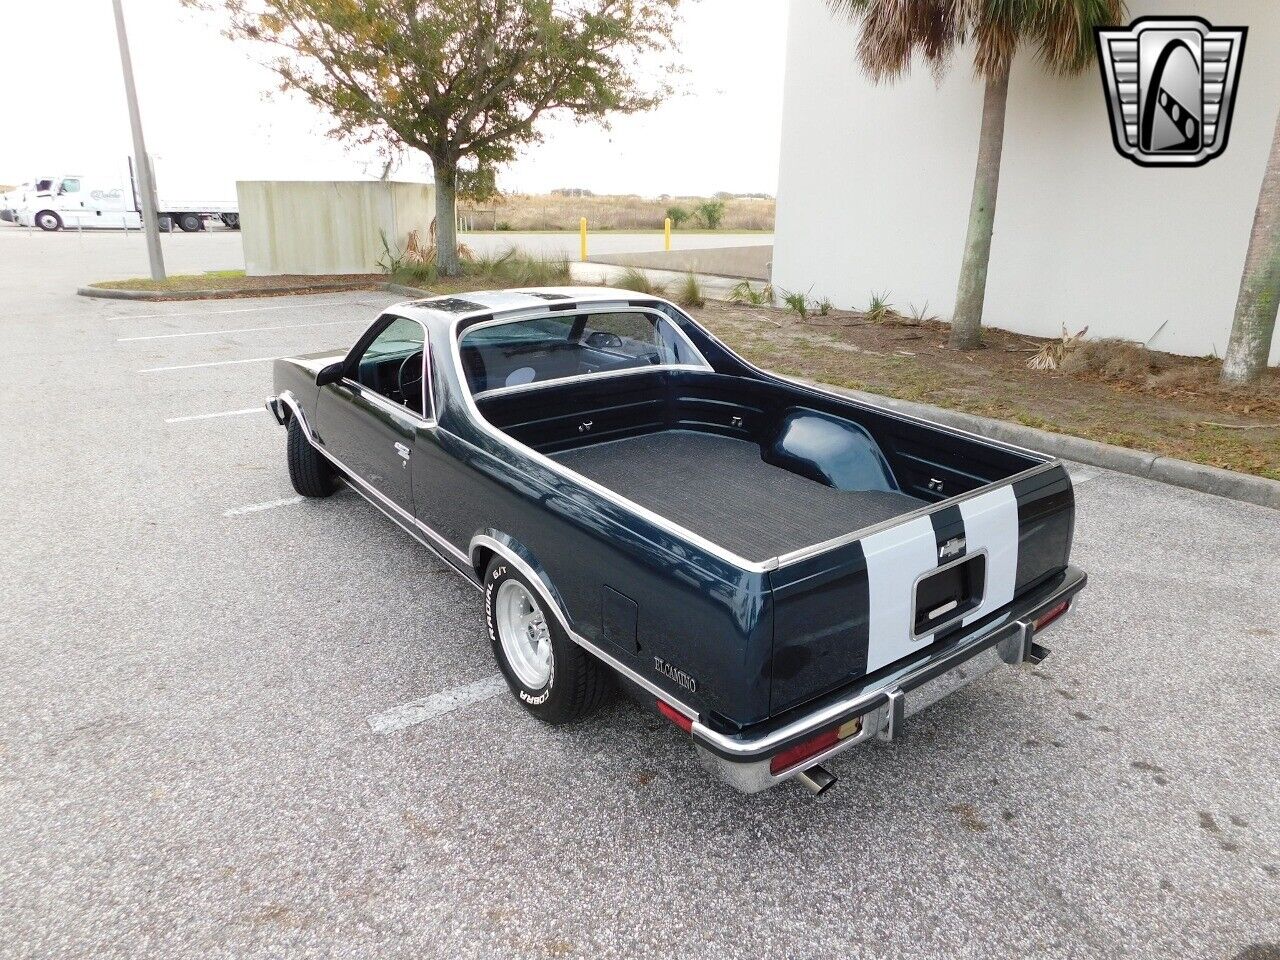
[[1171, 86]]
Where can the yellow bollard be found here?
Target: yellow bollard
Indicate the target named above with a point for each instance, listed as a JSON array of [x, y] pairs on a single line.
[[666, 233], [582, 233]]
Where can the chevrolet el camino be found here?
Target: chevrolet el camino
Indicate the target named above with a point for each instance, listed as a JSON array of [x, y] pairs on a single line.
[[780, 571]]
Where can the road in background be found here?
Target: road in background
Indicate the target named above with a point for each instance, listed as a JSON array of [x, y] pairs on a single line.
[[234, 723], [76, 258]]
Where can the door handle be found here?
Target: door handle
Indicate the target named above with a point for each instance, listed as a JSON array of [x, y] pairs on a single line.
[[403, 450]]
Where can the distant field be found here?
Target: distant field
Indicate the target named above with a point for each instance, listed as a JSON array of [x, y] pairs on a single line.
[[543, 212]]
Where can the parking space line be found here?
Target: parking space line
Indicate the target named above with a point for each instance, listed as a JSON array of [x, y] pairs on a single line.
[[214, 333], [215, 363], [428, 708], [217, 313], [213, 416], [259, 507]]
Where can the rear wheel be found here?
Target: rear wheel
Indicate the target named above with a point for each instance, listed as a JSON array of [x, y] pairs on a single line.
[[554, 678], [231, 220], [190, 222], [311, 474], [49, 221]]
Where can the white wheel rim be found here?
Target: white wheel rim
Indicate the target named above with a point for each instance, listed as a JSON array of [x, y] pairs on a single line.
[[522, 630]]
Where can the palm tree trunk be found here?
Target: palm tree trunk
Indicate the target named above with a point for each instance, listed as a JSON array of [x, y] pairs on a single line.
[[966, 323], [1255, 320], [447, 219]]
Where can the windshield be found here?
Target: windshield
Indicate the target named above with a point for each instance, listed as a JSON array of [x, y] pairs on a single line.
[[548, 348]]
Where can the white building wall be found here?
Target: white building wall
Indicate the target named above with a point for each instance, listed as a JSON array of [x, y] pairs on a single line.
[[875, 182]]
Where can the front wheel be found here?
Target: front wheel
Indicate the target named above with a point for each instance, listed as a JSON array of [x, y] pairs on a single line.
[[48, 221], [554, 678], [310, 472]]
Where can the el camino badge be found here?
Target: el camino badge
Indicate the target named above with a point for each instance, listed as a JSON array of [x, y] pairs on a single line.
[[952, 548], [679, 676]]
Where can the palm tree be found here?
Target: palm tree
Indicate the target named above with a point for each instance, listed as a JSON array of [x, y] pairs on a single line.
[[1255, 320], [894, 31]]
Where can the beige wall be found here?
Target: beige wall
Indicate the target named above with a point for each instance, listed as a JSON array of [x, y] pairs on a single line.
[[875, 182], [329, 226]]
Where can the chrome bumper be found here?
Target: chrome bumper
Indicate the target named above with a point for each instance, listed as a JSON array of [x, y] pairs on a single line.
[[742, 760], [276, 407]]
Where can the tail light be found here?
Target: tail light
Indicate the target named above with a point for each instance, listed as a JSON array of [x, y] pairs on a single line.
[[794, 756], [1050, 615], [675, 716]]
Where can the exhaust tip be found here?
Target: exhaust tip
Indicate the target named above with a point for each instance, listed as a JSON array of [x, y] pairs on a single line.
[[817, 779]]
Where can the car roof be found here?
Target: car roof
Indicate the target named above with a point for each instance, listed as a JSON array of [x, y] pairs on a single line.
[[462, 306]]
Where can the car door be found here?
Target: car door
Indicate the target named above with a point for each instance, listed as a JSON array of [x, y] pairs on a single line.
[[369, 420]]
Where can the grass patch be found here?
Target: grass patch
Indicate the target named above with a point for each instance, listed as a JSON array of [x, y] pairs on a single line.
[[510, 268], [235, 282]]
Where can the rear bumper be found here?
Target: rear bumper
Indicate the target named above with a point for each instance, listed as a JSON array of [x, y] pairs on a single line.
[[882, 705]]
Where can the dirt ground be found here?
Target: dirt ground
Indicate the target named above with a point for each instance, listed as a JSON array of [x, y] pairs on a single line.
[[1113, 392]]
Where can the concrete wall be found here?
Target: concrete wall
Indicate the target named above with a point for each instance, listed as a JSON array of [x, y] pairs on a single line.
[[321, 227], [875, 183]]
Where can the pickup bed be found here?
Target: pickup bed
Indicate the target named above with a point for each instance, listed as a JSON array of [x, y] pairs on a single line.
[[781, 571]]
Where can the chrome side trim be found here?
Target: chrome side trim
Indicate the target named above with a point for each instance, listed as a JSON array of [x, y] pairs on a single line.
[[481, 540], [410, 523]]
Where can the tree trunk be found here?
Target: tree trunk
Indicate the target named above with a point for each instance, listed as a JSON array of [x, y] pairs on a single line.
[[966, 323], [447, 220], [1255, 320]]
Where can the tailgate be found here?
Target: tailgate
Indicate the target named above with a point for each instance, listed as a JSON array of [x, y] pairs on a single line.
[[859, 607]]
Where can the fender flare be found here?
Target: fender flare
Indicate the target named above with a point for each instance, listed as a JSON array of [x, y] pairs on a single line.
[[287, 399], [515, 553]]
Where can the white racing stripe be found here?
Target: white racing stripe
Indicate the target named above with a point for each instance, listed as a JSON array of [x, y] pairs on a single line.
[[215, 363], [214, 333], [895, 558], [214, 416], [991, 522], [259, 507], [428, 708]]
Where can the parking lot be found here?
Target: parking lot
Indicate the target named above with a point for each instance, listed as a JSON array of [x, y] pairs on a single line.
[[204, 749]]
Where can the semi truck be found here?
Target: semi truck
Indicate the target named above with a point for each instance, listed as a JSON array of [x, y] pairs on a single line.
[[72, 201]]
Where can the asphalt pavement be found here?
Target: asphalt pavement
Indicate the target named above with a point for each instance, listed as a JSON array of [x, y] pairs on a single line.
[[237, 724]]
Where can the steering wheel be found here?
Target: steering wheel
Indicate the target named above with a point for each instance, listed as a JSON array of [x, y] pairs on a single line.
[[412, 382]]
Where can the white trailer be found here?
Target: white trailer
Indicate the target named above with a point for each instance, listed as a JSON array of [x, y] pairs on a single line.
[[78, 202]]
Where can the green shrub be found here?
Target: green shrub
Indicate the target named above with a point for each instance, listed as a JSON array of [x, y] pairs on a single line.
[[678, 216], [745, 293], [638, 280], [689, 293], [502, 225], [880, 309], [711, 213]]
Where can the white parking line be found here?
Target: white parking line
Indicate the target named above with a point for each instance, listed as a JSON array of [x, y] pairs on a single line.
[[212, 416], [214, 333], [215, 363], [259, 507], [215, 313], [428, 708]]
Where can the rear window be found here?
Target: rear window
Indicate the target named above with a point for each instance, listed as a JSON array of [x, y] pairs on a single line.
[[546, 348]]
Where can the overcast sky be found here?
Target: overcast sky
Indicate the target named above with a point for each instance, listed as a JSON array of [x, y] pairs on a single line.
[[207, 122]]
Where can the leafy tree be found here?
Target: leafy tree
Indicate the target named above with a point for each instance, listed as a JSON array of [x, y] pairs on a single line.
[[678, 215], [894, 31], [460, 79], [711, 213], [1255, 319]]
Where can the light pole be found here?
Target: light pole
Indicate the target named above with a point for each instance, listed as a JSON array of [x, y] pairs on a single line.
[[146, 182]]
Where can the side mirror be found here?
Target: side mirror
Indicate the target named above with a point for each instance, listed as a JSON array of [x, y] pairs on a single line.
[[330, 374]]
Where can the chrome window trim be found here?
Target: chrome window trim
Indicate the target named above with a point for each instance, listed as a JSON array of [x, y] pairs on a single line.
[[578, 377], [525, 316]]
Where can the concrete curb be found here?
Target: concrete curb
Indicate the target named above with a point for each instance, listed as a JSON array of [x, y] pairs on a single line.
[[1137, 463], [106, 293]]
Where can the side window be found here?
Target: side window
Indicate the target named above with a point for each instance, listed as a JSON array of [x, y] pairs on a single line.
[[392, 365], [70, 186]]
